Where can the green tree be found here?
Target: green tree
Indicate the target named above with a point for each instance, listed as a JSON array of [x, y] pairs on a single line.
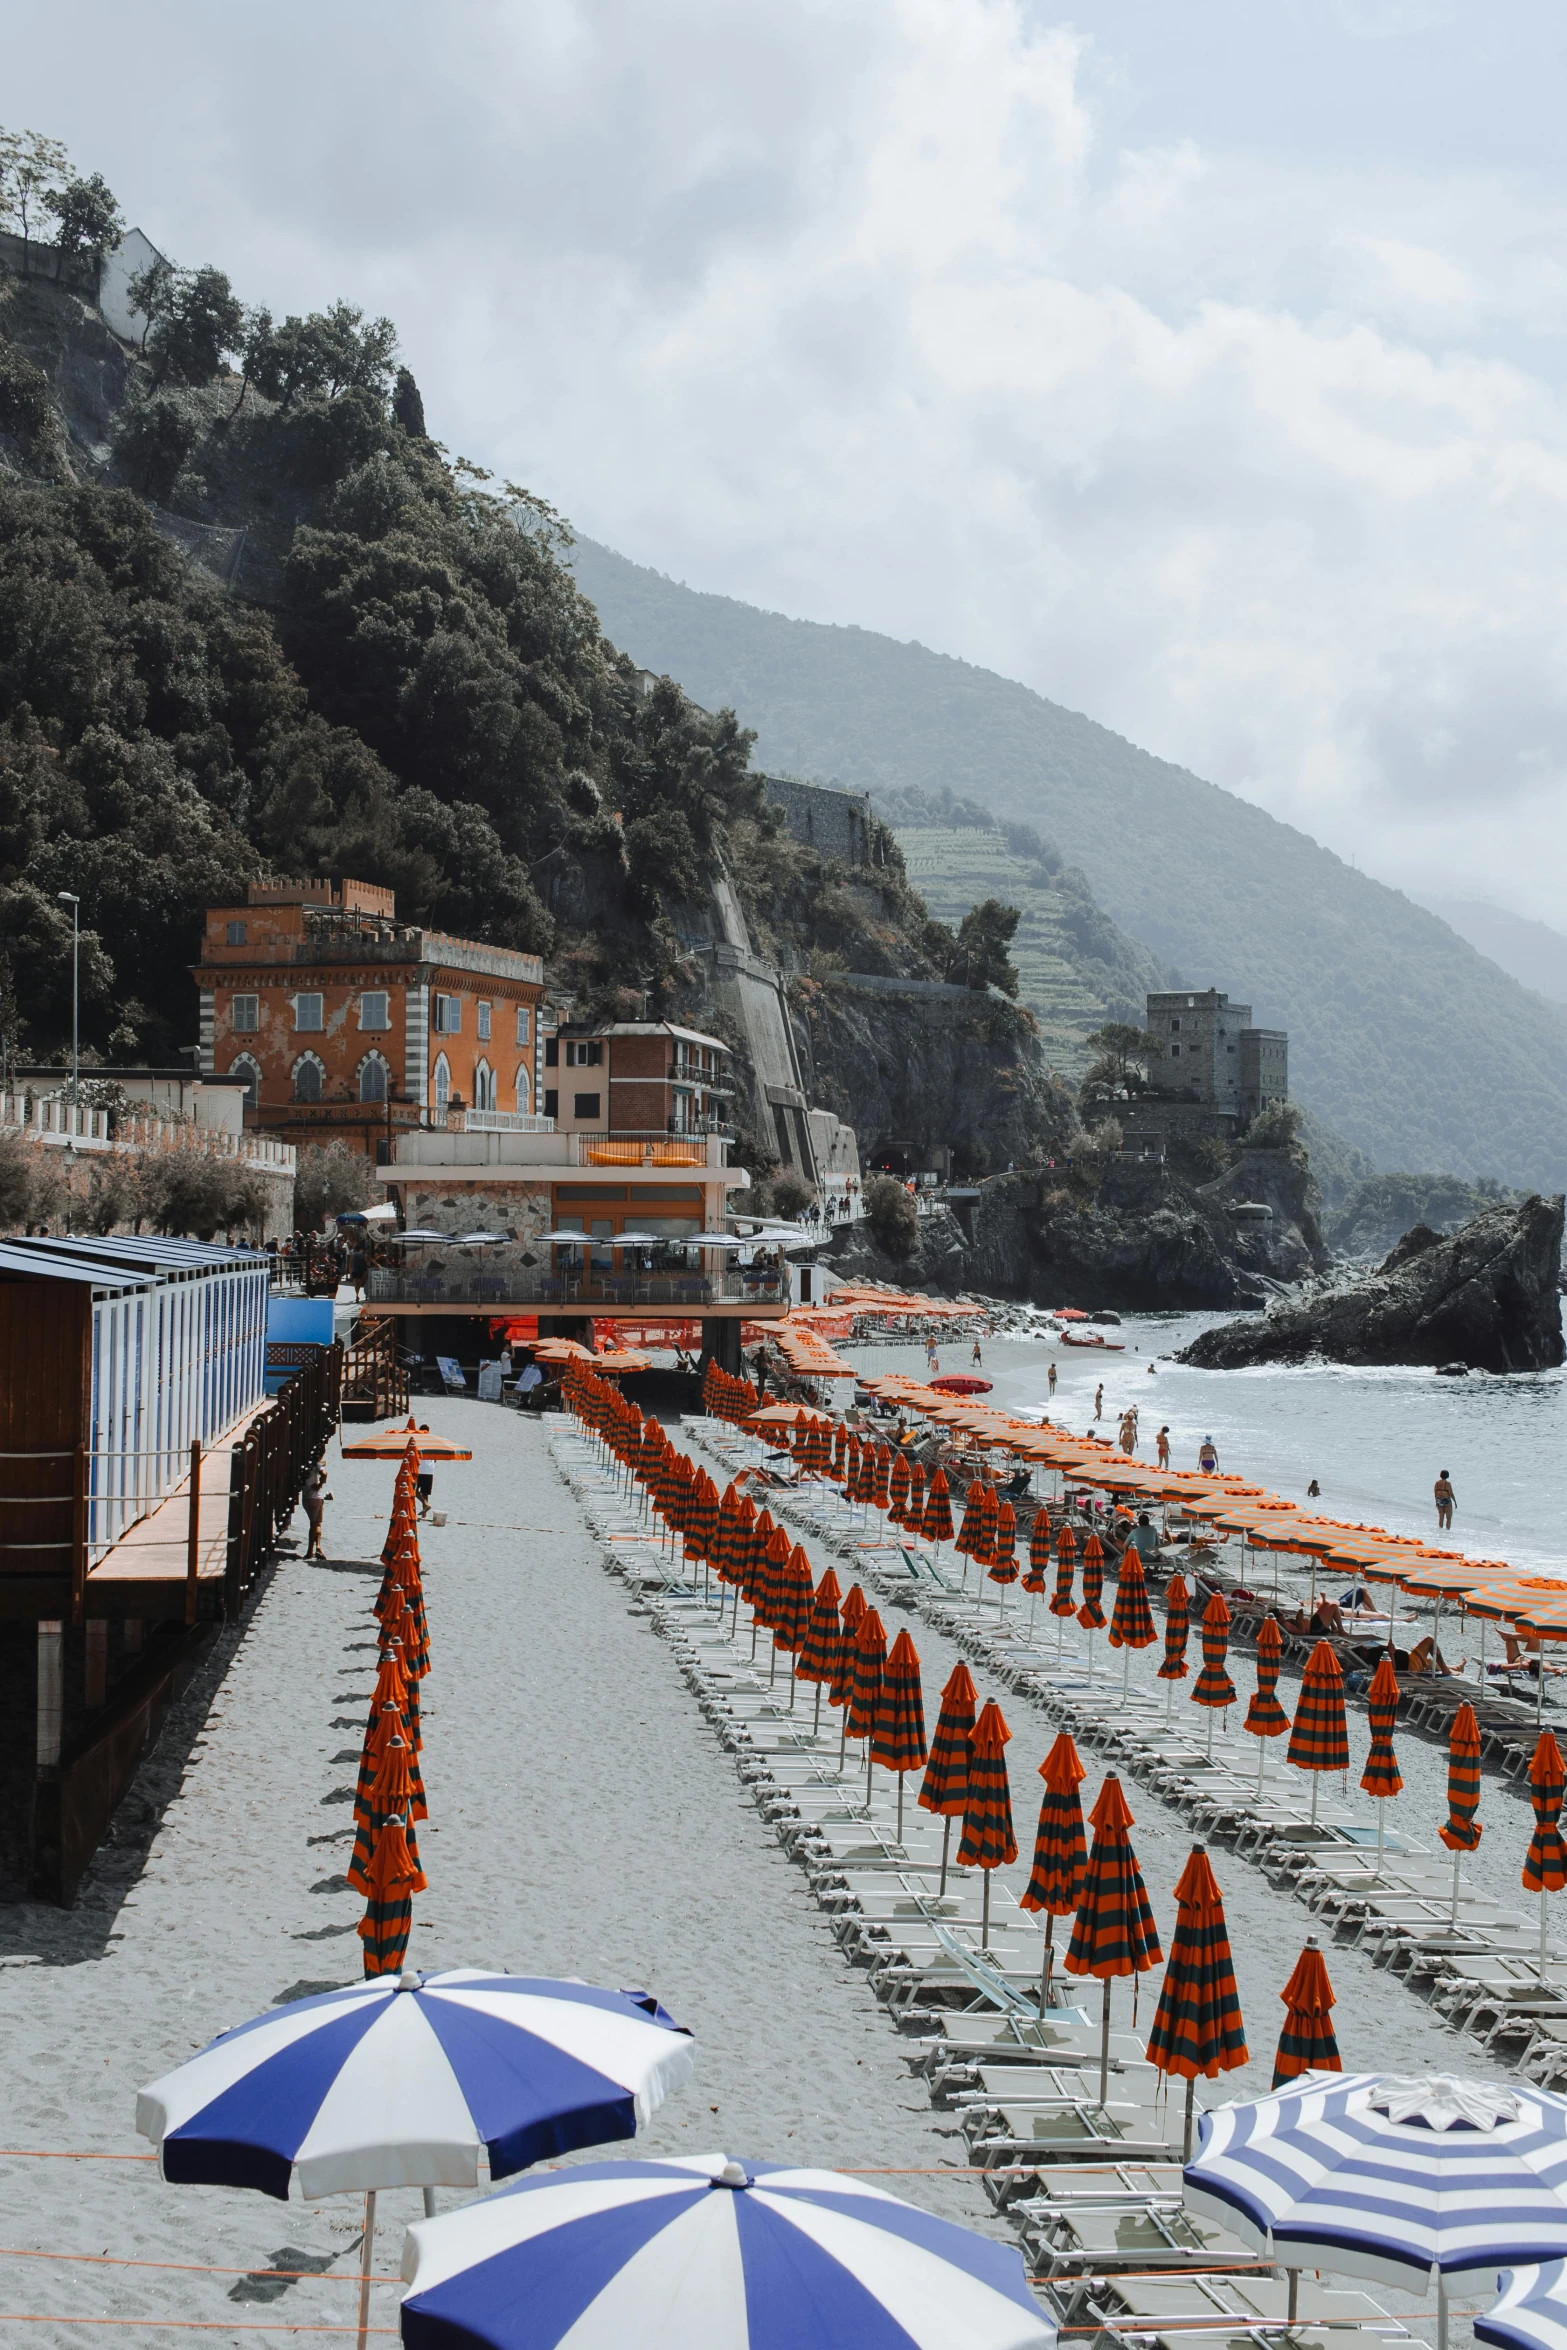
[[1274, 1128], [32, 167], [892, 1216], [153, 443], [984, 935], [328, 1178], [90, 222], [1122, 1065], [25, 406], [150, 291], [202, 319], [407, 405]]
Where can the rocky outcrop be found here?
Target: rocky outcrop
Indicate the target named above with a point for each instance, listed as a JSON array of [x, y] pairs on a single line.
[[1486, 1296], [1264, 1213]]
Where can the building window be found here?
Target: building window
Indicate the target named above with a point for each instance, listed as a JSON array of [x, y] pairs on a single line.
[[551, 1051], [524, 1089], [1175, 1052], [251, 1072], [484, 1023], [245, 1017], [308, 1012], [448, 1015], [1175, 1028], [584, 1056], [309, 1077], [585, 1105], [524, 1024], [483, 1086], [551, 1102], [236, 934], [373, 1075], [442, 1081], [375, 1010]]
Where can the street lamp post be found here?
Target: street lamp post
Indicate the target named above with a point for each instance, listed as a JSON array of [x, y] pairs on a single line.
[[68, 898]]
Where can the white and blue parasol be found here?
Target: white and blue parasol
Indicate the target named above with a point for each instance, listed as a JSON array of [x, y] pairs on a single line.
[[1532, 2311], [1406, 2181], [708, 2254], [402, 2082]]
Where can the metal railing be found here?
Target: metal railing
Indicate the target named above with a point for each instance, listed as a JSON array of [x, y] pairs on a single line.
[[459, 1287], [507, 1122], [51, 1119]]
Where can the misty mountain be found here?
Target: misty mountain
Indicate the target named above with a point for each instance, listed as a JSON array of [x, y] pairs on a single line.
[[1531, 952], [1419, 1050]]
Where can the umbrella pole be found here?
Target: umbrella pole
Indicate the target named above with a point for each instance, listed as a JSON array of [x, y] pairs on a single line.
[[900, 1807], [1104, 2047], [1294, 2300], [946, 1839], [1191, 2100], [1262, 1749], [1542, 1926], [1169, 1701], [869, 1767], [1316, 1781], [1456, 1858], [816, 1726], [1381, 1819], [1539, 1686], [772, 1678], [364, 2268], [984, 1915], [794, 1666], [1441, 2311], [1044, 1971], [429, 2203], [1126, 1676], [1211, 1710]]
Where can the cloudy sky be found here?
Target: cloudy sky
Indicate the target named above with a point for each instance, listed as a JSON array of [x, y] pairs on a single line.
[[1200, 365]]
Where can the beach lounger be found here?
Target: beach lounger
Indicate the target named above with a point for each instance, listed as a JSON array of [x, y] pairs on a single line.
[[1067, 2240]]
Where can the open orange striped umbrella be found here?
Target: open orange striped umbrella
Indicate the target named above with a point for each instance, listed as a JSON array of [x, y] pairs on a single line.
[[1055, 1883], [1177, 1621], [988, 1842], [393, 1878], [1381, 1777], [1114, 1932], [898, 1739], [1308, 2042], [1319, 1736], [936, 1525], [392, 1444], [819, 1652], [1197, 2027], [944, 1788]]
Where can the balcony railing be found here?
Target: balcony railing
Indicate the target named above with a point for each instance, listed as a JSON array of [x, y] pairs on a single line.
[[507, 1122], [460, 1286]]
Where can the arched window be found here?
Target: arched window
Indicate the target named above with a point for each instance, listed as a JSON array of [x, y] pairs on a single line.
[[441, 1079], [309, 1077], [484, 1087], [250, 1070], [373, 1075], [524, 1088]]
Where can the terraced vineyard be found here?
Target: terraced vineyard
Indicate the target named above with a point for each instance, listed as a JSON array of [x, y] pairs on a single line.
[[1075, 968]]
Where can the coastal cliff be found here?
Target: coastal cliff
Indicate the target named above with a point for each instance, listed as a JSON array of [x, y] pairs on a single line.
[[1487, 1297]]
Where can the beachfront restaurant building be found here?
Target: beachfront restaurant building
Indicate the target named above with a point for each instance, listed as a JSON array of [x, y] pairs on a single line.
[[132, 1378]]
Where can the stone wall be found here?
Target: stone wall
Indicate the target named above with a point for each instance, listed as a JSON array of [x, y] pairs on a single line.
[[838, 824]]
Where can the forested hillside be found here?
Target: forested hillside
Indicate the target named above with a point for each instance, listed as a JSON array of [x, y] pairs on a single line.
[[1402, 1037]]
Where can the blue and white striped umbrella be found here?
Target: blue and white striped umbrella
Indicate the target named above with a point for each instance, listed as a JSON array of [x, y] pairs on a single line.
[[1532, 2312], [708, 2254], [1406, 2181], [401, 2081]]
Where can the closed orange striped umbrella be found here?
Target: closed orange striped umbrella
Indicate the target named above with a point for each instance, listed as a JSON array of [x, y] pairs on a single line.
[[1197, 2027], [1055, 1882], [1308, 2042], [1002, 1567], [1381, 1777], [936, 1525], [914, 1507], [1319, 1736], [898, 1739], [393, 1878], [989, 1519], [1131, 1619], [971, 1533], [1213, 1686], [944, 1788], [1545, 1868], [1177, 1622], [1462, 1831], [1062, 1603], [1091, 1615], [870, 1656], [1114, 1932], [391, 1798], [840, 1453], [898, 1488], [819, 1652], [881, 1489], [988, 1842], [792, 1612], [389, 1725], [1265, 1717], [1036, 1579], [841, 1687]]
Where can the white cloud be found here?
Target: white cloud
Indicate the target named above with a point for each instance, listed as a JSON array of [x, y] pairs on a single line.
[[869, 310]]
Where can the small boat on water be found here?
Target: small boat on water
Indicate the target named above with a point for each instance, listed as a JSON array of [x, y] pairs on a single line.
[[1111, 1346]]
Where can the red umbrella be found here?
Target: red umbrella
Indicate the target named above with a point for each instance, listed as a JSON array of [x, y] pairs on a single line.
[[944, 1788], [988, 1842], [1381, 1777], [1265, 1717], [898, 1739], [936, 1525], [1319, 1739], [1197, 2027], [818, 1657], [1463, 1831], [1307, 2043], [1113, 1932], [959, 1383], [1060, 1848]]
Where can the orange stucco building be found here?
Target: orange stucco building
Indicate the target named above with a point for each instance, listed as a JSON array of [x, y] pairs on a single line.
[[350, 1024]]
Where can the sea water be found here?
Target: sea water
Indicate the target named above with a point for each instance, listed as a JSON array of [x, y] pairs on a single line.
[[1374, 1440]]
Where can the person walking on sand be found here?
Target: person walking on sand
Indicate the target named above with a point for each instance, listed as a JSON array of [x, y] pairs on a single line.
[[315, 1498], [1207, 1458], [978, 1357], [1052, 1378], [1099, 1400], [1162, 1440], [1445, 1499]]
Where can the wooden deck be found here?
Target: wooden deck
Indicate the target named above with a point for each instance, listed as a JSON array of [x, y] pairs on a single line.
[[164, 1550]]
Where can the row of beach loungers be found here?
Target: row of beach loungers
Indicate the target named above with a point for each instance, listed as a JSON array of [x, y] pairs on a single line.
[[1092, 2188]]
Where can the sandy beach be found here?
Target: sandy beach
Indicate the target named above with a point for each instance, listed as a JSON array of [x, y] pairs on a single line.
[[583, 1820]]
